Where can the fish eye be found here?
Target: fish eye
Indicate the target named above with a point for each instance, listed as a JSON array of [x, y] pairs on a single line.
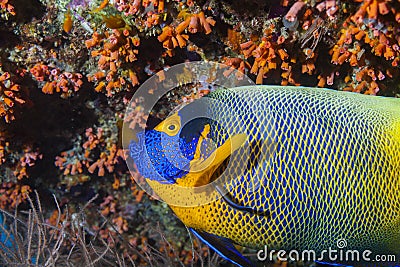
[[172, 128]]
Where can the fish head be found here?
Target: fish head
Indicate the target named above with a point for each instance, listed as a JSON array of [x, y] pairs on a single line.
[[186, 148], [164, 153]]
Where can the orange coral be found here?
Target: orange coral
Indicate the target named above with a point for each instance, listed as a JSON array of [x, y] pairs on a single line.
[[118, 47], [107, 160], [152, 16], [135, 114], [5, 4], [294, 10], [92, 139], [329, 6], [3, 149], [132, 7], [372, 9], [121, 224], [56, 81], [358, 40], [10, 94], [236, 64], [268, 55], [12, 194], [108, 205], [172, 37]]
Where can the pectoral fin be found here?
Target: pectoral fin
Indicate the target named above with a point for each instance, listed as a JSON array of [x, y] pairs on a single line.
[[220, 154], [202, 169], [223, 247]]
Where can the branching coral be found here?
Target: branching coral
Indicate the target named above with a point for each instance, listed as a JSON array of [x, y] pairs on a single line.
[[107, 160], [297, 45], [16, 163], [109, 154], [135, 117], [132, 7], [110, 47], [153, 10]]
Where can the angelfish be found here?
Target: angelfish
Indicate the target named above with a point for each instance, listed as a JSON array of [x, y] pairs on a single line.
[[310, 167]]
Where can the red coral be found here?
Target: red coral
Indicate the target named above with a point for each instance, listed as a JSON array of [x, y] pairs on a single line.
[[132, 7], [294, 10], [135, 115], [363, 45], [70, 162]]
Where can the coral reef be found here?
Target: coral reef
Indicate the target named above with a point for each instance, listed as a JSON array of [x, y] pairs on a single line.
[[69, 68], [360, 37]]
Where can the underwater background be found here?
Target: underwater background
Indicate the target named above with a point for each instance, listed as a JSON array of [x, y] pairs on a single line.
[[68, 70]]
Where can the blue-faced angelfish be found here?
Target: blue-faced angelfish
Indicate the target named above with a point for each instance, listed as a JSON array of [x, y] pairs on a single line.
[[312, 166]]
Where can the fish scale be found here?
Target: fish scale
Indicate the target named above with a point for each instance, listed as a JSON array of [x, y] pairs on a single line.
[[334, 172]]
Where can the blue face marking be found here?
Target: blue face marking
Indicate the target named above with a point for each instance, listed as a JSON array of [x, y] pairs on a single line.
[[161, 157]]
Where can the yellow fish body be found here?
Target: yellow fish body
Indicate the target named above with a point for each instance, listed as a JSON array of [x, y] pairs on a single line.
[[311, 167]]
